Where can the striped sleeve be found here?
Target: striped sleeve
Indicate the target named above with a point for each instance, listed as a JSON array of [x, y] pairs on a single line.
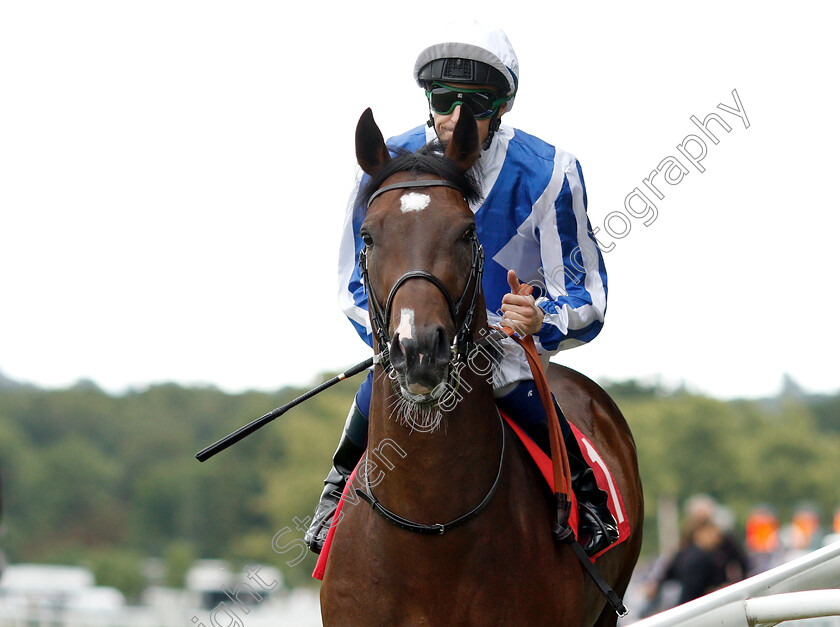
[[351, 292], [574, 271]]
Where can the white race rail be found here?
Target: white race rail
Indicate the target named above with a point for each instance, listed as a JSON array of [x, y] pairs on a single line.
[[767, 598]]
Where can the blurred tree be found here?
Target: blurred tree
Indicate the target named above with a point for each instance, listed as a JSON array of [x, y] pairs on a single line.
[[88, 473], [118, 569], [178, 557]]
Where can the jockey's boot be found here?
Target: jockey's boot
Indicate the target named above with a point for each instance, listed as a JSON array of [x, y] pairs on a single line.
[[350, 449], [597, 528]]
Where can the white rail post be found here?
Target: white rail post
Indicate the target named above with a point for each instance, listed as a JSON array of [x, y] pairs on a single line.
[[777, 608]]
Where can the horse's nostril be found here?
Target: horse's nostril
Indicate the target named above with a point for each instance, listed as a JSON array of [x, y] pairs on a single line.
[[398, 359], [441, 345], [430, 349], [421, 358]]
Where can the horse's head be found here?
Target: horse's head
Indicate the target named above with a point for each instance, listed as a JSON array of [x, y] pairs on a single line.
[[422, 261]]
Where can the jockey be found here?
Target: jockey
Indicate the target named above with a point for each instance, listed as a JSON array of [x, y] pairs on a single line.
[[533, 226]]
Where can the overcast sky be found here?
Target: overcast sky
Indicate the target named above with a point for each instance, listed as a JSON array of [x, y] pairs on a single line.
[[173, 177]]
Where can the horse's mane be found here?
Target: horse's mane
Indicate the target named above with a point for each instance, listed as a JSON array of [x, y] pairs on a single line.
[[428, 160]]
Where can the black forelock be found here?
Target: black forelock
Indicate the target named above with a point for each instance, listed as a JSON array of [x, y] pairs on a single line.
[[428, 160]]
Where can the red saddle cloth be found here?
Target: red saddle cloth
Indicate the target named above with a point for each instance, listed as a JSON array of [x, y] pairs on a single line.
[[603, 477]]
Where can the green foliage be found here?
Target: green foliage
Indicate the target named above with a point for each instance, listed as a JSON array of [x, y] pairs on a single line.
[[827, 413], [122, 570], [177, 558], [740, 452], [91, 478]]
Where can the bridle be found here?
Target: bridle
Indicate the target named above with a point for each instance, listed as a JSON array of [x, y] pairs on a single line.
[[379, 317], [459, 349]]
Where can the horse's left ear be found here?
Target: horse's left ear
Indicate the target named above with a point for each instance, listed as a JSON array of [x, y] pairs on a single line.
[[464, 148], [371, 152]]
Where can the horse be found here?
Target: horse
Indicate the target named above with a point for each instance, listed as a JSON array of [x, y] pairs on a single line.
[[495, 561]]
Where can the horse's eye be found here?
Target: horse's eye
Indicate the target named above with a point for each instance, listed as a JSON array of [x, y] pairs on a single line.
[[469, 233], [367, 239]]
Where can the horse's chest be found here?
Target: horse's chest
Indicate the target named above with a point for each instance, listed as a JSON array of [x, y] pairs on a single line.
[[480, 574]]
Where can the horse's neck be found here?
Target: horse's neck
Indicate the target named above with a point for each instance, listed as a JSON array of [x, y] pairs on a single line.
[[434, 474]]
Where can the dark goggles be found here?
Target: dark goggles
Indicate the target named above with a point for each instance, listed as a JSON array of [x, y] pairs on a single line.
[[443, 100]]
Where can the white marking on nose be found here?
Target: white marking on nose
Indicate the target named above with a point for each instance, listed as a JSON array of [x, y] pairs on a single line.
[[406, 328], [414, 202]]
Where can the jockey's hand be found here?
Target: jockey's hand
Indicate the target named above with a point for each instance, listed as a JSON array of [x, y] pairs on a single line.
[[519, 311]]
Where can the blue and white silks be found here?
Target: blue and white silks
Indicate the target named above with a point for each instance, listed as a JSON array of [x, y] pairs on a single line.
[[532, 219]]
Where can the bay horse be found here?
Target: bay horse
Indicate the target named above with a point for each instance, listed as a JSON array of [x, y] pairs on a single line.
[[460, 470]]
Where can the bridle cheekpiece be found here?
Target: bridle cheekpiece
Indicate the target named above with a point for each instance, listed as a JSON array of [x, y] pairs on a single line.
[[379, 316]]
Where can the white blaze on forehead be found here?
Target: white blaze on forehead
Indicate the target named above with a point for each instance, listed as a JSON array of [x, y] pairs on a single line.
[[414, 202], [406, 328]]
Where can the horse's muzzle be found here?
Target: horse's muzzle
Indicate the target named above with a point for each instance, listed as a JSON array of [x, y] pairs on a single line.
[[421, 361]]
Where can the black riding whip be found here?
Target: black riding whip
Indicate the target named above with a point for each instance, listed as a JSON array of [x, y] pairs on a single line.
[[248, 429]]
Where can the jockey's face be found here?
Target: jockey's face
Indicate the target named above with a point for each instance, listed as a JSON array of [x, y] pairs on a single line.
[[445, 124]]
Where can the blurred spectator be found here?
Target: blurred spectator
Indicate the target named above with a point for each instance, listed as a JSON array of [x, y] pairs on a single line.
[[834, 536], [802, 535], [709, 556], [762, 537], [729, 556], [694, 567], [805, 529], [762, 530]]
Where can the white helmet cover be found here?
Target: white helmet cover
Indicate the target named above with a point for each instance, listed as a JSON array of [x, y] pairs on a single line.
[[490, 46]]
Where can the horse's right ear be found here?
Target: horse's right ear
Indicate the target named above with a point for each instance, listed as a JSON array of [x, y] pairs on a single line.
[[371, 152], [464, 148]]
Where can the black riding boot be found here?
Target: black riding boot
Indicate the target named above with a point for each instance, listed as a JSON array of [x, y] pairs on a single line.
[[346, 456], [597, 528]]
